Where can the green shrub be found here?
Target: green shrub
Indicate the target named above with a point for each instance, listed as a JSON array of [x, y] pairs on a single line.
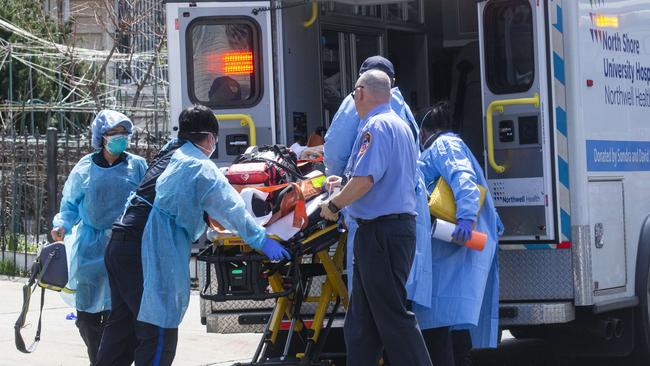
[[9, 268], [19, 244]]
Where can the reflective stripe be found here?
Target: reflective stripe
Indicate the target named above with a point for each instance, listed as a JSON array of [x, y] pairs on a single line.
[[159, 346], [561, 122], [558, 19], [560, 115]]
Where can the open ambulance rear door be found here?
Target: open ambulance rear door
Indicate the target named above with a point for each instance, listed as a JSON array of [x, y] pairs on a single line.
[[519, 144], [220, 56], [525, 166]]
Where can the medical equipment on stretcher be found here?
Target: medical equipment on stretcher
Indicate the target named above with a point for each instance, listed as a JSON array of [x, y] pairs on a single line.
[[317, 249], [443, 230], [265, 165], [243, 274]]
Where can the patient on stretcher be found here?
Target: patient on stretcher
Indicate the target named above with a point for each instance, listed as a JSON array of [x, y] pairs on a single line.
[[280, 192]]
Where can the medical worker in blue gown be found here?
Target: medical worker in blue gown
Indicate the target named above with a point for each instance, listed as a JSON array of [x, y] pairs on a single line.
[[464, 283], [93, 197], [149, 251], [344, 129]]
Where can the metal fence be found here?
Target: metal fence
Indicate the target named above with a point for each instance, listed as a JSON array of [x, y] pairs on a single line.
[[33, 171]]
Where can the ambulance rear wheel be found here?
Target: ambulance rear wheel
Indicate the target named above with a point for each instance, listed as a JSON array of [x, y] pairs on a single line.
[[642, 323], [642, 328]]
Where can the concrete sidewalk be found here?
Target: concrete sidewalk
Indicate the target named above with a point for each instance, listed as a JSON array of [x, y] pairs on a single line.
[[62, 345]]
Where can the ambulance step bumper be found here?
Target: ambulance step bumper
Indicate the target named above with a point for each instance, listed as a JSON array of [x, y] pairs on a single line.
[[536, 313], [230, 323], [253, 322]]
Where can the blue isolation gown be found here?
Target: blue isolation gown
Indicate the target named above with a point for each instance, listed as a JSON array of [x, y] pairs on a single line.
[[190, 185], [93, 198], [464, 282]]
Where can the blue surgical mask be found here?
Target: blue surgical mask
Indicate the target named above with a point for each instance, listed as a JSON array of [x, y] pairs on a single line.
[[116, 145]]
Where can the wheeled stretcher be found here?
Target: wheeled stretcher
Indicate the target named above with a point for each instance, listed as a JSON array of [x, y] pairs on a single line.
[[243, 274]]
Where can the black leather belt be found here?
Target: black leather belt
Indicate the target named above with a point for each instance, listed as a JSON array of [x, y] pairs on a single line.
[[124, 236], [402, 216]]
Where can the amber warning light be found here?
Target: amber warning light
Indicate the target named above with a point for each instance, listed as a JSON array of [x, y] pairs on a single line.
[[238, 63]]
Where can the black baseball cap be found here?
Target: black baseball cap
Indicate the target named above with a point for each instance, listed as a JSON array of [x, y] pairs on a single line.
[[379, 63]]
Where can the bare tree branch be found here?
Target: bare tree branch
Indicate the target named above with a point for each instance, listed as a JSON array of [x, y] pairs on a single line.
[[145, 78]]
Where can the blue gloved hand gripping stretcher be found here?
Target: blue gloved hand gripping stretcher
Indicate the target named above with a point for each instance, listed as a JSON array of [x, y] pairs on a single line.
[[244, 274]]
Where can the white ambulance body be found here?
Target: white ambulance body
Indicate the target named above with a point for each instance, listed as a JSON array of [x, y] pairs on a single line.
[[554, 95]]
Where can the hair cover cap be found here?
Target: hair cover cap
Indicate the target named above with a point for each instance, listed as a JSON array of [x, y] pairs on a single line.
[[106, 120]]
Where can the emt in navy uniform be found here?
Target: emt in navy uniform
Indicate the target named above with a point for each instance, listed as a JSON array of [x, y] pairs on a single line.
[[344, 129], [380, 196]]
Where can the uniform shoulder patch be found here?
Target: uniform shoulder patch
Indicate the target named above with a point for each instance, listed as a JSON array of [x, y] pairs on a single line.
[[366, 140]]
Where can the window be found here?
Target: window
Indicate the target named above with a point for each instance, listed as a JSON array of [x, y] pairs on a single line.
[[509, 52], [334, 8], [404, 12], [338, 8], [223, 59], [394, 12]]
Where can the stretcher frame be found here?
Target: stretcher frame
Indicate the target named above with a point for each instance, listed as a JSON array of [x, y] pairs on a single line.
[[289, 283]]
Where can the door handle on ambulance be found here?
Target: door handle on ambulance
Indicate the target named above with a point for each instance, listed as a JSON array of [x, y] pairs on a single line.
[[314, 15], [244, 120], [498, 105]]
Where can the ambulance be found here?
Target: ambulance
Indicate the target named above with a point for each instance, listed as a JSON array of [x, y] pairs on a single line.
[[553, 96]]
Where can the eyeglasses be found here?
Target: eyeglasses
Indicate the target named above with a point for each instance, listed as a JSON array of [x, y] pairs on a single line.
[[355, 90], [214, 134]]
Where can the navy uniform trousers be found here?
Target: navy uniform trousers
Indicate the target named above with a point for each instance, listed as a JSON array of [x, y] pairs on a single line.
[[91, 326], [377, 319], [126, 339]]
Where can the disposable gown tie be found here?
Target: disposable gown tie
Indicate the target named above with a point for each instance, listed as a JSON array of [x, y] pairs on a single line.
[[190, 185], [93, 198]]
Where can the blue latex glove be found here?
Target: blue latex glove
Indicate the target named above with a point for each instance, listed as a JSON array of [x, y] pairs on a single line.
[[463, 231], [274, 250]]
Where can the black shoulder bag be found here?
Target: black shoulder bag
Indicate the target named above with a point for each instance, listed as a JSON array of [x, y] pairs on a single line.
[[49, 271]]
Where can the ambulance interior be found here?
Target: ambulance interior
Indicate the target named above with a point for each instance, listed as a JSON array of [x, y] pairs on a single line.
[[433, 45]]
